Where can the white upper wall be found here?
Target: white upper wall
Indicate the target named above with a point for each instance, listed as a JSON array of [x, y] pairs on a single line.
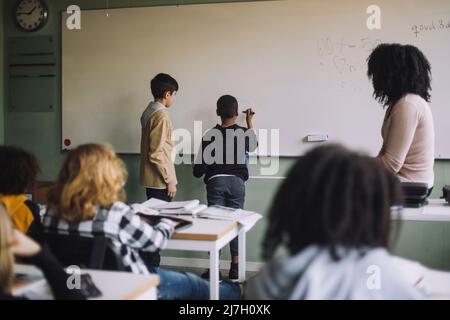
[[300, 64]]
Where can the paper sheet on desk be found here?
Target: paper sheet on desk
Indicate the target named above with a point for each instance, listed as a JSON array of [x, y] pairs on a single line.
[[160, 204], [193, 207], [192, 211], [246, 218], [155, 207], [140, 208]]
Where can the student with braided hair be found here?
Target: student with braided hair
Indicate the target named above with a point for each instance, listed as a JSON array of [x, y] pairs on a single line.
[[332, 214]]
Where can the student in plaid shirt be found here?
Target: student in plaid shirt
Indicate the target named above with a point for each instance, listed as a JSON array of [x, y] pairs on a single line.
[[86, 201], [123, 227]]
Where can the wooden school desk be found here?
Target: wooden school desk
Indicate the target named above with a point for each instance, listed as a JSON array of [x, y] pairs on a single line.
[[113, 285], [211, 236]]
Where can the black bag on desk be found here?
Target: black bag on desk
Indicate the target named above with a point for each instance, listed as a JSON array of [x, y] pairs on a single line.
[[446, 191], [88, 287], [415, 194]]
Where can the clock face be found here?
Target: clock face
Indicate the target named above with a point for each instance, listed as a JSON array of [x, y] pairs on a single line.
[[31, 15]]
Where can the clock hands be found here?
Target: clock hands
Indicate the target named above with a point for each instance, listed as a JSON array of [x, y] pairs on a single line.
[[27, 13], [32, 10]]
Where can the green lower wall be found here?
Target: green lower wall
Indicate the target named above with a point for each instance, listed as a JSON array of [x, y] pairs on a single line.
[[40, 133], [427, 242]]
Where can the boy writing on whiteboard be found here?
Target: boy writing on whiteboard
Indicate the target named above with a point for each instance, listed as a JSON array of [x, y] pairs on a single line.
[[157, 170], [223, 160]]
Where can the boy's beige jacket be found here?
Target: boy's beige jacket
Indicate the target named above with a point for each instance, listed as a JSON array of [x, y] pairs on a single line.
[[157, 168]]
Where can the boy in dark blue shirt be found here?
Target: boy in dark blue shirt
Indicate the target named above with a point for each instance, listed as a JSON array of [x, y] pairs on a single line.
[[223, 160]]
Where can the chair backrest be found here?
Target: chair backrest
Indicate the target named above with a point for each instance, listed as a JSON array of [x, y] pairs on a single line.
[[86, 252]]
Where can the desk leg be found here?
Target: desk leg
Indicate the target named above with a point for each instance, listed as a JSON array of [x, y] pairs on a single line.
[[242, 255], [214, 274]]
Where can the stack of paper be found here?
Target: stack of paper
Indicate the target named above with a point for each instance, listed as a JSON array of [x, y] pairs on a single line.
[[189, 211], [144, 210], [157, 206], [193, 208], [245, 218]]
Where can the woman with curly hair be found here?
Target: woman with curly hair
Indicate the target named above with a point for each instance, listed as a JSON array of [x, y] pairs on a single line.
[[401, 77]]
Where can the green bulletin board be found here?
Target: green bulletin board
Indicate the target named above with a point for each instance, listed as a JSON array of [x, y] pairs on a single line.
[[32, 74]]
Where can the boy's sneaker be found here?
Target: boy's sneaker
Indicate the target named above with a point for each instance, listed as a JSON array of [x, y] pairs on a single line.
[[205, 275], [233, 275]]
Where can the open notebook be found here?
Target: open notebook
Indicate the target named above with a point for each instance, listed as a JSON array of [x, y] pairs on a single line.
[[153, 216], [191, 207], [155, 207]]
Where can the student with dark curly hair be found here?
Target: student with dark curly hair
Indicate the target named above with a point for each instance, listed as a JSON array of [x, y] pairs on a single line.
[[401, 77], [17, 176], [332, 214]]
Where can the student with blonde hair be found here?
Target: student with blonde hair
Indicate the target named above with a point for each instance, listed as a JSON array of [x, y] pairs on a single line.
[[13, 244], [87, 200]]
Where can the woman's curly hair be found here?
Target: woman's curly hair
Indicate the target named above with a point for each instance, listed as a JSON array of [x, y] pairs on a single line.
[[397, 70]]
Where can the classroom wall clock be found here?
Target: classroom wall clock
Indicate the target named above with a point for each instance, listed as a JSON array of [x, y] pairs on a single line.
[[31, 15]]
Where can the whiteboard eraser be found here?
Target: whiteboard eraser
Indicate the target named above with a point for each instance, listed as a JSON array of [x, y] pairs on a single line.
[[316, 137]]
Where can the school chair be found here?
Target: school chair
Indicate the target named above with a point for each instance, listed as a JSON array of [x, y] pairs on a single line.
[[86, 252]]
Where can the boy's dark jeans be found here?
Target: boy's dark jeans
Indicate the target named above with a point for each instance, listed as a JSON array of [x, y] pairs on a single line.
[[227, 191], [153, 259], [160, 194]]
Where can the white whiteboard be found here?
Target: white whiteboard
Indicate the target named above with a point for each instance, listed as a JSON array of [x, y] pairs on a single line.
[[300, 64]]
